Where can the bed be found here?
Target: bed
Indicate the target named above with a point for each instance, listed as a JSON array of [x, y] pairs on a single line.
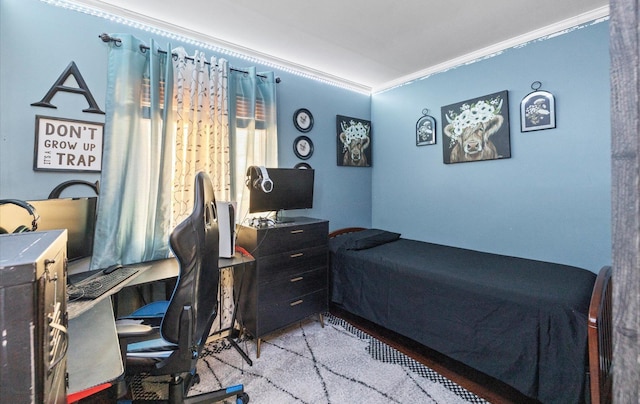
[[521, 321]]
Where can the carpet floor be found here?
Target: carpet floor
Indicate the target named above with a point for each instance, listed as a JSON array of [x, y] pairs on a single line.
[[307, 363]]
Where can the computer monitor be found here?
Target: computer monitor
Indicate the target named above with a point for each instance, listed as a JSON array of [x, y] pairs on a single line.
[[77, 215], [292, 189]]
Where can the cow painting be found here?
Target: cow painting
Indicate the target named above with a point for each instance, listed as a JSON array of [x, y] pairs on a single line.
[[475, 141], [354, 142], [477, 129]]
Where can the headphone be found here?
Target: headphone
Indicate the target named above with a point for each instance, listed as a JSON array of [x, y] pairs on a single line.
[[29, 208], [262, 180]]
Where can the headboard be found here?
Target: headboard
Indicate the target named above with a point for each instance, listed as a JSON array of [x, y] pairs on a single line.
[[345, 230]]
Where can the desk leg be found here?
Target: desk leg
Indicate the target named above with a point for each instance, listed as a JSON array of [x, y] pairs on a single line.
[[240, 351], [231, 329], [236, 301], [258, 343]]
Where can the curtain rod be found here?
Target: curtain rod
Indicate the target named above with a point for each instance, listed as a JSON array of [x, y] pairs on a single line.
[[143, 48]]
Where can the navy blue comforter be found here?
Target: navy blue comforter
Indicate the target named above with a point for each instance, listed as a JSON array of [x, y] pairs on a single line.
[[521, 321]]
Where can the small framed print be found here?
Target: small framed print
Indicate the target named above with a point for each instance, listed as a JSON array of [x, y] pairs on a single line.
[[303, 147], [537, 110], [425, 130], [303, 120]]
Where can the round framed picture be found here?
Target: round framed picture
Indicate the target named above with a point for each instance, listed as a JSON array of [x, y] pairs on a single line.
[[303, 120], [302, 166], [303, 147]]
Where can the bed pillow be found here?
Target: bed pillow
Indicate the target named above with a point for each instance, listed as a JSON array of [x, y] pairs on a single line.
[[370, 238]]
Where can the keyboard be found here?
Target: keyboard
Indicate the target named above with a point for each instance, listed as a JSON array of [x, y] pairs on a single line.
[[96, 286]]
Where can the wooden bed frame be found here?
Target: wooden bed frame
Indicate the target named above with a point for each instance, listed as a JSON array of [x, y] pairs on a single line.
[[599, 333], [600, 339]]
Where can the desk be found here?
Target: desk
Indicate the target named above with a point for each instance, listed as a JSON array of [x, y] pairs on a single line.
[[94, 350]]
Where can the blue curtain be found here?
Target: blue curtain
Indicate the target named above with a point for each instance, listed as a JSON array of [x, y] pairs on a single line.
[[254, 112], [135, 188]]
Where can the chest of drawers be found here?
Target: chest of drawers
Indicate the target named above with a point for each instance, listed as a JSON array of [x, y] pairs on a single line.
[[290, 281]]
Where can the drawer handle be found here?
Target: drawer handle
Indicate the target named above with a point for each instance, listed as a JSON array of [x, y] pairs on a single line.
[[299, 278], [297, 302], [296, 255], [297, 231]]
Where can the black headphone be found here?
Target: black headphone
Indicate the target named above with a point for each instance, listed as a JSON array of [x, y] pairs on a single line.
[[262, 180], [29, 208]]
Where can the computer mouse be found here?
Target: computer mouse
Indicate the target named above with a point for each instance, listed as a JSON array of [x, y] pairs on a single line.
[[111, 268]]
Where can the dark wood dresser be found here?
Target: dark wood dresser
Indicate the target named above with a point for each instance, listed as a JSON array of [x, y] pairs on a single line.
[[290, 281]]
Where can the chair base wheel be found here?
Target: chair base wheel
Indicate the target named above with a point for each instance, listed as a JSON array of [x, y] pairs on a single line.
[[242, 399]]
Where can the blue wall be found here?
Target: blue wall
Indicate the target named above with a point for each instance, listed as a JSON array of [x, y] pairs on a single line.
[[549, 201], [38, 43]]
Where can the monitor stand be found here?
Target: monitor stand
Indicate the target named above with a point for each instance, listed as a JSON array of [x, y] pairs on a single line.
[[283, 219]]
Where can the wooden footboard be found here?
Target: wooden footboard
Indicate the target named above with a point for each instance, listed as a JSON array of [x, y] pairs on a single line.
[[600, 339]]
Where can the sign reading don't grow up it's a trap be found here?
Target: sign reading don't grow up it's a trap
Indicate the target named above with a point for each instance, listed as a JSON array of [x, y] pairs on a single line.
[[68, 144]]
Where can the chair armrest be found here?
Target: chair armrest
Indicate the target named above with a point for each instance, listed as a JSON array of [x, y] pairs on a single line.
[[128, 330]]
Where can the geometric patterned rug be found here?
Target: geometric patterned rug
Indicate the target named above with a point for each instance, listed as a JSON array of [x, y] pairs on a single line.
[[309, 364]]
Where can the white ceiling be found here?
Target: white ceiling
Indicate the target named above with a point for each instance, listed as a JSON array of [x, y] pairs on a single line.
[[367, 44]]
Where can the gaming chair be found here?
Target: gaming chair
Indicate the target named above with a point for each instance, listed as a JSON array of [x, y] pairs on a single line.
[[177, 343]]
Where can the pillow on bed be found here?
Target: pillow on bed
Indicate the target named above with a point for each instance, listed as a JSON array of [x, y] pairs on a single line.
[[370, 238]]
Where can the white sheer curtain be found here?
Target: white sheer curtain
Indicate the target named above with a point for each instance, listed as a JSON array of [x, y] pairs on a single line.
[[201, 127], [202, 144]]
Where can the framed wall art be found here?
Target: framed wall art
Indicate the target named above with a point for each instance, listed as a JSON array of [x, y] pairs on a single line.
[[425, 129], [476, 129], [353, 141], [67, 145], [537, 110], [303, 120], [303, 147]]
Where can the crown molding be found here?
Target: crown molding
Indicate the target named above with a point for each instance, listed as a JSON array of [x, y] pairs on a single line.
[[126, 17], [543, 33], [119, 15]]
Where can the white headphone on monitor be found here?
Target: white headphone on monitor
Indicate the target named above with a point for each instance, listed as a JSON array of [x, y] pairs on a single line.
[[262, 180]]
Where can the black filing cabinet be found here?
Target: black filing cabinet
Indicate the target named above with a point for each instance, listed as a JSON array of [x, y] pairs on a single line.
[[33, 317], [290, 281]]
